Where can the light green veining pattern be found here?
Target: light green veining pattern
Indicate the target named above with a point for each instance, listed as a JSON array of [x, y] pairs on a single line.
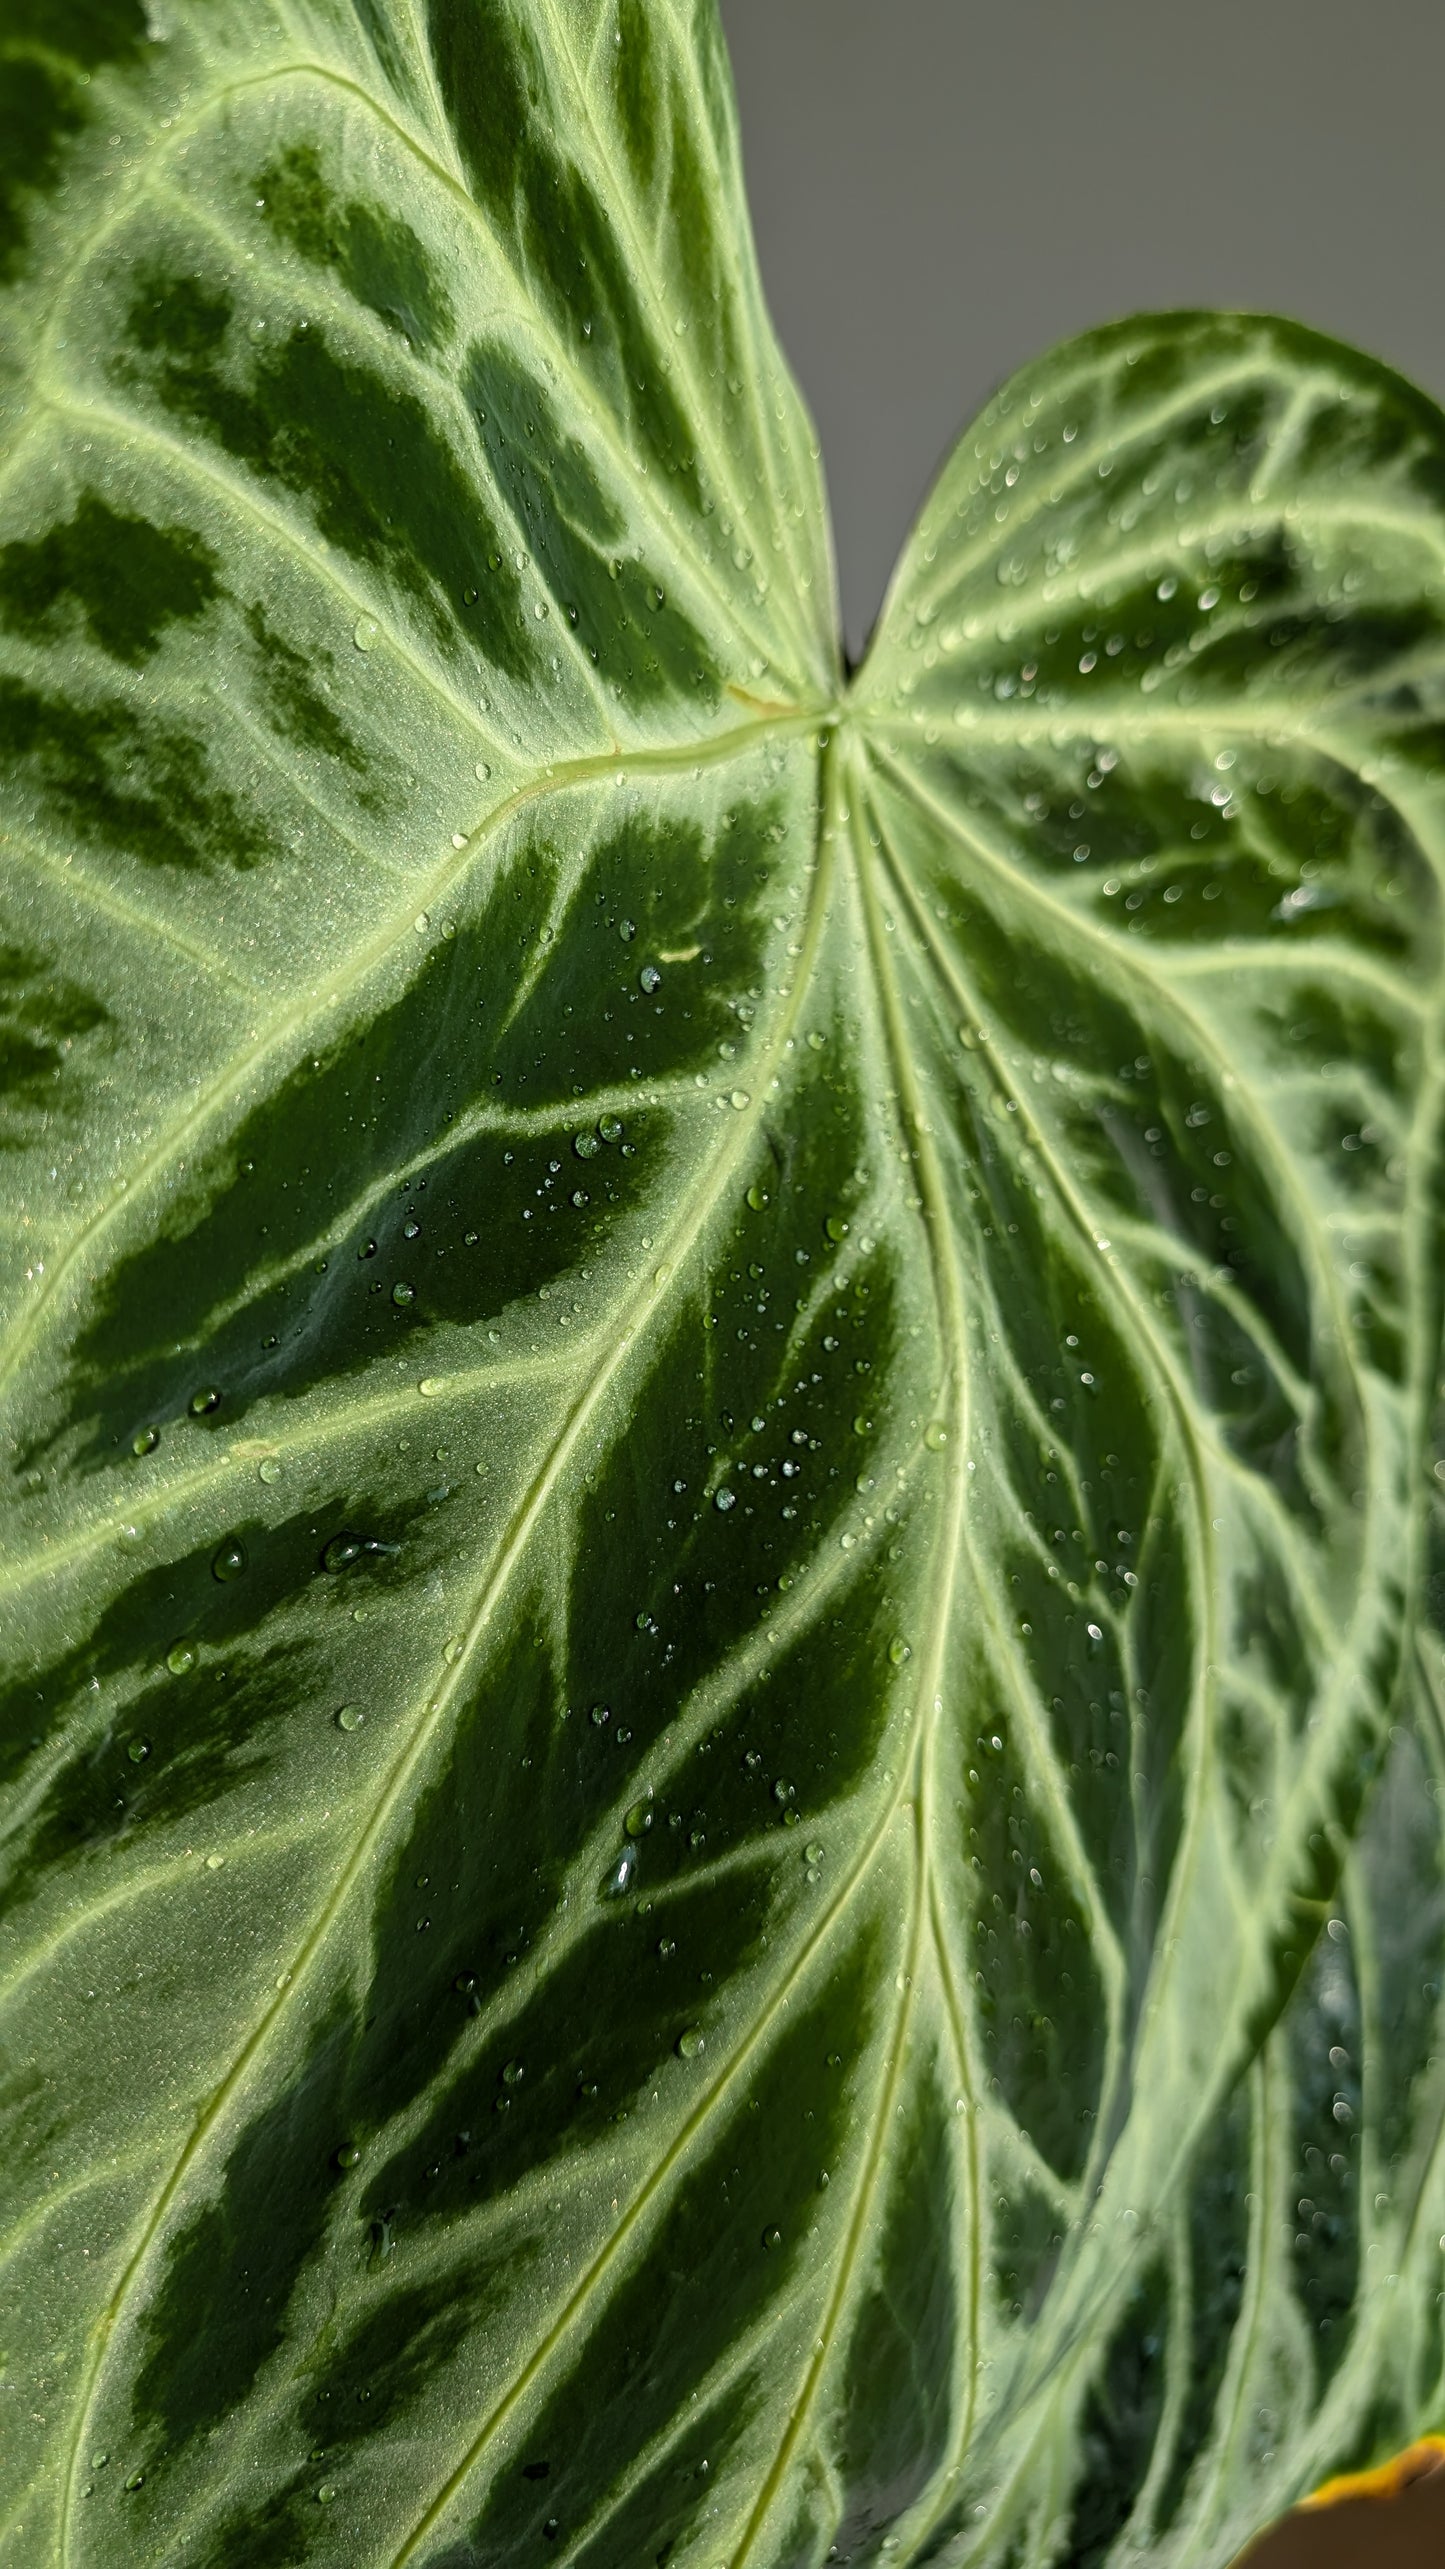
[[722, 1711]]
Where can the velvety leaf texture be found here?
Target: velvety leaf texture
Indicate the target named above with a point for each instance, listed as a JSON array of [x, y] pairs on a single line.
[[722, 1739]]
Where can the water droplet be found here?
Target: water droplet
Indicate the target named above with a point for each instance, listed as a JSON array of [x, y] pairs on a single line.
[[342, 1550], [772, 2238], [725, 1499], [690, 2042], [430, 1385], [649, 978], [202, 1403], [512, 2075], [228, 1561], [836, 1228], [610, 1127], [935, 1436], [270, 1470], [620, 1878], [814, 1851], [214, 1863], [740, 1098], [350, 1717], [348, 2156], [783, 1791], [147, 1441], [601, 1713], [326, 2493], [180, 1658], [627, 930], [481, 771], [758, 1198], [365, 632], [862, 1424], [816, 1041], [138, 1751], [402, 1294], [586, 1145], [136, 2480], [899, 1650], [638, 1819]]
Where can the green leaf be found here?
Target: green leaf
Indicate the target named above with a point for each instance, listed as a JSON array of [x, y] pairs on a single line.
[[722, 1732]]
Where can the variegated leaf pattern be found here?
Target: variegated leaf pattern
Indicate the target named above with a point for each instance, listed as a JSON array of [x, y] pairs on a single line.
[[723, 1711]]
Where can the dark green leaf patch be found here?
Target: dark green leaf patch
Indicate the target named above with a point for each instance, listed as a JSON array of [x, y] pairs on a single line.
[[365, 457], [659, 960], [224, 1661], [1040, 2000], [552, 223], [134, 785], [297, 691], [643, 645], [49, 50], [580, 2054], [1217, 2265], [895, 2412], [230, 2271], [1122, 2419], [1324, 2049], [44, 1015], [729, 2244], [377, 256], [120, 578]]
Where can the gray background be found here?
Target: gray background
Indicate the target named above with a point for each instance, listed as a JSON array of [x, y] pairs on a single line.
[[943, 188]]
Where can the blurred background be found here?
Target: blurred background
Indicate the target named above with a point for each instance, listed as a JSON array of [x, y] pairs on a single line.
[[942, 188]]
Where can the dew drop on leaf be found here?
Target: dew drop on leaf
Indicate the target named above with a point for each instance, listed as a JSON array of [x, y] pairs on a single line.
[[270, 1470], [228, 1561], [899, 1651], [638, 1819], [350, 1717], [935, 1436], [180, 1658], [649, 978], [365, 632], [772, 2237], [147, 1441], [348, 2156], [725, 1499], [758, 1198], [402, 1294], [690, 2042], [203, 1402], [138, 1751], [341, 1551], [610, 1127], [813, 1851]]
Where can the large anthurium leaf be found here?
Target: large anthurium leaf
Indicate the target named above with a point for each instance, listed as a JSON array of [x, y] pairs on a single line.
[[723, 1730]]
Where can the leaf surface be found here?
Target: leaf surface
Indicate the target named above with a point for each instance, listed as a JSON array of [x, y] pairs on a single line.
[[721, 1733]]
